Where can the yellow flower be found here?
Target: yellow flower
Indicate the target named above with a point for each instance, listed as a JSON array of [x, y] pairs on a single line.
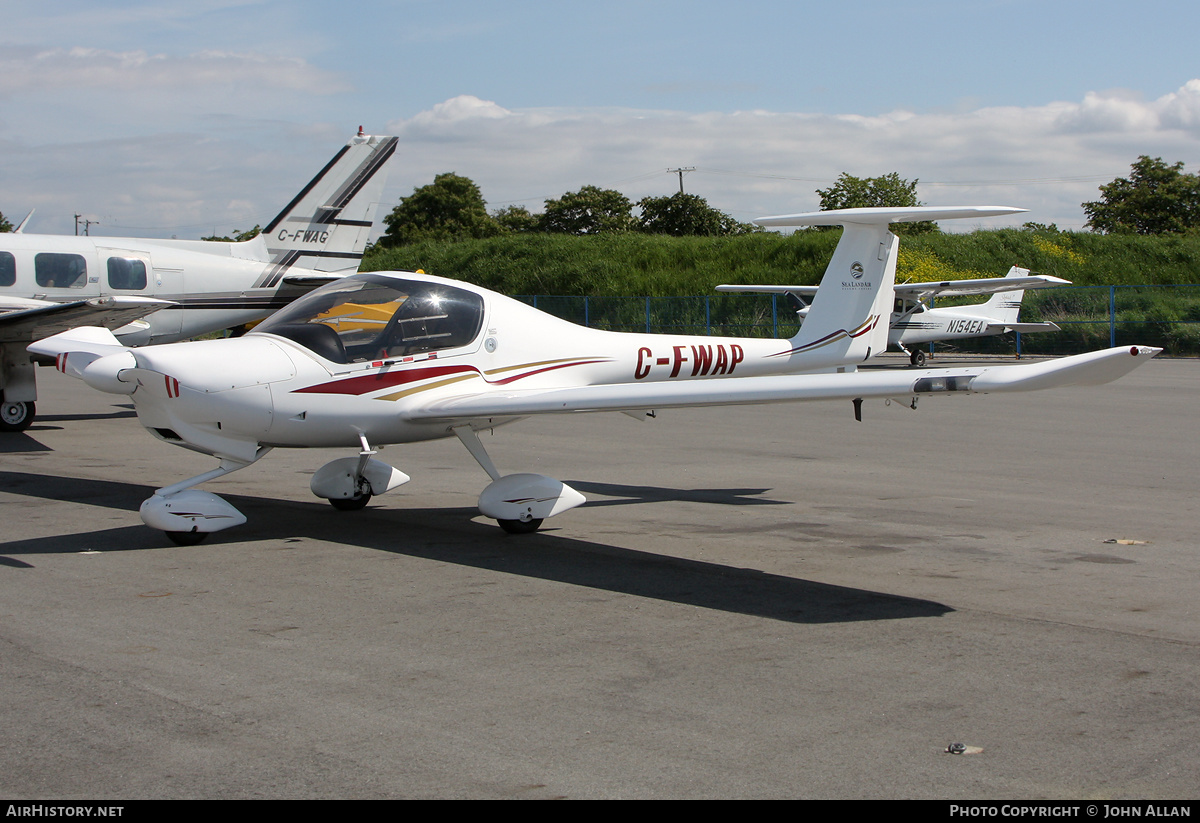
[[915, 266], [1054, 250]]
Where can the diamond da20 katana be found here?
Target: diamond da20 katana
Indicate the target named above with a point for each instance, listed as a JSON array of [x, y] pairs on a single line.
[[398, 357]]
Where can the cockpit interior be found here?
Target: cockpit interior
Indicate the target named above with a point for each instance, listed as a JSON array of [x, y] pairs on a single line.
[[367, 318]]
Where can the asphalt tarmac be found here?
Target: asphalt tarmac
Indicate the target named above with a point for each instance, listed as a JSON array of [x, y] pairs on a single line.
[[770, 601]]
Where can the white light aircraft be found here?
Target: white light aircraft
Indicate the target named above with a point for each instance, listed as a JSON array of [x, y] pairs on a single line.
[[49, 283], [914, 323], [400, 357]]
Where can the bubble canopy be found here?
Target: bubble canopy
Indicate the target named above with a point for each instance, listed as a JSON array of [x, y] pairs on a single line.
[[369, 316]]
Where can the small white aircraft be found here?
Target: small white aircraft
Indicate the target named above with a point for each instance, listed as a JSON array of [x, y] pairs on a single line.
[[914, 323], [49, 283], [399, 357]]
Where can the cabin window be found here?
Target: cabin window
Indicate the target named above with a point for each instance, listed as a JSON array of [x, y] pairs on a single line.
[[60, 271], [8, 269], [371, 317], [127, 273]]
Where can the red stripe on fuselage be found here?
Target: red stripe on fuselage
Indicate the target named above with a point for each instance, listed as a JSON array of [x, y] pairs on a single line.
[[382, 380]]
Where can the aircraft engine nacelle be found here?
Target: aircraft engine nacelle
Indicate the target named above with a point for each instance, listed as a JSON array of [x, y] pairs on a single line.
[[190, 511], [525, 497], [104, 373], [338, 479]]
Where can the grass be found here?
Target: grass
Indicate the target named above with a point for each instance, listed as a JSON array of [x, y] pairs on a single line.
[[616, 272]]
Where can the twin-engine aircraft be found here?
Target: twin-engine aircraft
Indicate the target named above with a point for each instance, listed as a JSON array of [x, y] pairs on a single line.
[[398, 357], [49, 283], [914, 323]]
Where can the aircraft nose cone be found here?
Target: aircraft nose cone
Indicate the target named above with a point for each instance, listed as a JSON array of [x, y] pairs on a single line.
[[219, 365]]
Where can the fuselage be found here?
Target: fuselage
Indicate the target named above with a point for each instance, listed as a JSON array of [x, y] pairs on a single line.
[[330, 368], [929, 325], [215, 284]]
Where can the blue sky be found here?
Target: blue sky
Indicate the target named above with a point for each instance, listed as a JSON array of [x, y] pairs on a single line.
[[172, 118]]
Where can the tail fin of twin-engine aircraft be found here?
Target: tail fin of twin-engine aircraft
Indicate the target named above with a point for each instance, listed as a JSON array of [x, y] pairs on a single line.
[[326, 227], [849, 317]]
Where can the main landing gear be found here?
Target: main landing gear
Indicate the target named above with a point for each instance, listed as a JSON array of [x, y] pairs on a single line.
[[189, 515], [521, 526], [916, 357], [349, 483], [16, 416], [518, 502]]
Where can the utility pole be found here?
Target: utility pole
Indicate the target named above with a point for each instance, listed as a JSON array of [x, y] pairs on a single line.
[[87, 224], [681, 172]]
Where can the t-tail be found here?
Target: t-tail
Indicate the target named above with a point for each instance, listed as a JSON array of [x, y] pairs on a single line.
[[849, 317], [1005, 307], [326, 227]]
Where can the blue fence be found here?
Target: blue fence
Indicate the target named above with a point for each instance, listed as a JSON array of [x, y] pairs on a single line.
[[1090, 317]]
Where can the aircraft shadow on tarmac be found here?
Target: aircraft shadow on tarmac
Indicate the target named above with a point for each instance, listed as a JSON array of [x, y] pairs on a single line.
[[16, 442], [127, 411], [458, 536], [624, 495]]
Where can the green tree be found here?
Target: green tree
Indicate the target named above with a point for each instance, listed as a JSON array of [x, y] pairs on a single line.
[[238, 236], [515, 219], [449, 208], [686, 214], [590, 210], [4, 224], [1154, 199], [888, 191]]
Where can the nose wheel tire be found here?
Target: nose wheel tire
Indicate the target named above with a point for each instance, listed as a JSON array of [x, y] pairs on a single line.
[[16, 416], [520, 526], [350, 504]]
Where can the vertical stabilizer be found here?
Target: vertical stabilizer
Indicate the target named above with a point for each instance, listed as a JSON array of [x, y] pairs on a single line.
[[326, 227], [849, 317], [1005, 306]]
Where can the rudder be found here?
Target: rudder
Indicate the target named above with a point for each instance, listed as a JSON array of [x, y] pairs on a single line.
[[326, 226]]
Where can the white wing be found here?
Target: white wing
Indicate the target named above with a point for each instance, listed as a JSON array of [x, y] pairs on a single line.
[[44, 319], [1091, 368]]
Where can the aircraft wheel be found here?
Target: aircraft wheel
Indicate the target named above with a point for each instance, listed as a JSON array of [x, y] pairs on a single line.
[[350, 504], [917, 359], [520, 526], [186, 538], [16, 416]]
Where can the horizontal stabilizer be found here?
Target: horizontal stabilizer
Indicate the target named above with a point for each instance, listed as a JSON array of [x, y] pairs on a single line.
[[913, 291], [1024, 328], [884, 216], [310, 281]]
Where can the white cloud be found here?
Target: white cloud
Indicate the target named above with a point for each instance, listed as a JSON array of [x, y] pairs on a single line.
[[1181, 109], [28, 71], [228, 164], [1049, 158], [456, 110]]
